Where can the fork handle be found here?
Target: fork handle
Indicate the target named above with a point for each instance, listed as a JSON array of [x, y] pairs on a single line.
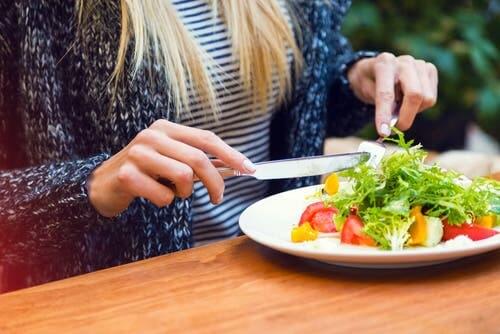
[[225, 172]]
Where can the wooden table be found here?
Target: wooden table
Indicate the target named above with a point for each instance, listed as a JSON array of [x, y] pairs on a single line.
[[239, 286]]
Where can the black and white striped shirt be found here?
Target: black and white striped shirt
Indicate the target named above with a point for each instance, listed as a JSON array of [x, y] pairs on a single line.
[[245, 130]]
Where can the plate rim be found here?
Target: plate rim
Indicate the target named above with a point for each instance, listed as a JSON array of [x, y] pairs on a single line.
[[360, 254]]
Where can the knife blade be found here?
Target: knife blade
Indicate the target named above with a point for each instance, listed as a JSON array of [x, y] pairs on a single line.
[[301, 167]]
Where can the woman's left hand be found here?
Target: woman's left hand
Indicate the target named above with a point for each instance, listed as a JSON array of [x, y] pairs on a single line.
[[387, 81]]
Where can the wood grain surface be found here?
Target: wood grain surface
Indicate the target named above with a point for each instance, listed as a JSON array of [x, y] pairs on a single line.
[[239, 286]]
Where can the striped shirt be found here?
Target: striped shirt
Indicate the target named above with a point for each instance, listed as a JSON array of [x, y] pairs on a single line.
[[240, 127]]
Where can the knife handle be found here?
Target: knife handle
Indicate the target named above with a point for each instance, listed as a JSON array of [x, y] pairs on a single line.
[[225, 172]]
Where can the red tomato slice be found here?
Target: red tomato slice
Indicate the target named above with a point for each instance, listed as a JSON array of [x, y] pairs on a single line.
[[310, 211], [322, 221], [352, 232], [351, 229], [473, 231]]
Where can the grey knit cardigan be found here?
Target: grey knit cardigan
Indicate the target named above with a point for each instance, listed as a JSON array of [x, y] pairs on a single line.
[[57, 123]]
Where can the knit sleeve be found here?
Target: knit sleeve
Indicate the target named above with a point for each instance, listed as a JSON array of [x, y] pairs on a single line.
[[9, 137], [38, 204], [346, 113], [41, 204]]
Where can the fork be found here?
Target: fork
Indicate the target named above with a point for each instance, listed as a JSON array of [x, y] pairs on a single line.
[[377, 149]]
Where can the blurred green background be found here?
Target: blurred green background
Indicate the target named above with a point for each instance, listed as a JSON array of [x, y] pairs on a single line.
[[461, 38]]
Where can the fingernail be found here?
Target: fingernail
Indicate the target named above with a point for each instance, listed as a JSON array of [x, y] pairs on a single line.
[[385, 129], [249, 166], [219, 200]]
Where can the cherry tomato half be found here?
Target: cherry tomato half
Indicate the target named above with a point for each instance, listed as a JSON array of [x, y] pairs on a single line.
[[322, 221], [352, 231], [473, 231]]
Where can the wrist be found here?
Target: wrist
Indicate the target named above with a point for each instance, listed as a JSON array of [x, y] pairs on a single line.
[[104, 192]]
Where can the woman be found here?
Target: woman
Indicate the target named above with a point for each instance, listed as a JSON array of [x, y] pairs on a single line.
[[101, 100]]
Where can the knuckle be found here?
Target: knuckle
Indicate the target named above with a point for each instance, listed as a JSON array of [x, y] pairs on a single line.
[[406, 59], [199, 160], [184, 175], [386, 57], [125, 174], [137, 152], [432, 67], [145, 135], [208, 136], [160, 123], [385, 96], [420, 63]]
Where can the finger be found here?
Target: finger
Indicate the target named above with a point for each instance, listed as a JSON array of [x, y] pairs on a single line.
[[141, 185], [208, 142], [158, 166], [412, 92], [368, 89], [385, 72], [433, 79], [218, 163], [362, 79], [196, 159], [426, 85], [203, 168]]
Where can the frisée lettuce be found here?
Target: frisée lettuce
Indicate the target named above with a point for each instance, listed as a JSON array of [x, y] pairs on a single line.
[[384, 197]]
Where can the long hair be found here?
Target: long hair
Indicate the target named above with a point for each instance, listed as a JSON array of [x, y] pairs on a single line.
[[260, 36]]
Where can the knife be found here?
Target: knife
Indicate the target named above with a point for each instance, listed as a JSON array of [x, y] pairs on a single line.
[[300, 167]]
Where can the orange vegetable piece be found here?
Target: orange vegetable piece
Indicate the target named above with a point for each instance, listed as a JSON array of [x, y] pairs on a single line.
[[304, 232], [332, 184], [486, 221], [418, 230]]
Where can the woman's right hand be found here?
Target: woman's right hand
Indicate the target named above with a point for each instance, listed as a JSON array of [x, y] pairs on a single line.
[[164, 150]]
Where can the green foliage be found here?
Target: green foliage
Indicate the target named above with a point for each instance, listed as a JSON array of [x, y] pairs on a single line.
[[460, 37]]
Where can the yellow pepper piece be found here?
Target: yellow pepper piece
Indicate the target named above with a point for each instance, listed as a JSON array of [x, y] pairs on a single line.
[[487, 221], [332, 184], [304, 232], [418, 230]]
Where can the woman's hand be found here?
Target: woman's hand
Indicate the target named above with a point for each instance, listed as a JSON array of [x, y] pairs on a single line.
[[164, 150], [387, 81]]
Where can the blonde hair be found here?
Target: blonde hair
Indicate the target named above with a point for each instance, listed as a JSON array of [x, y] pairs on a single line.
[[260, 36]]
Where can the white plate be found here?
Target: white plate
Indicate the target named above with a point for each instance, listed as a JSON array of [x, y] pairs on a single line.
[[270, 221]]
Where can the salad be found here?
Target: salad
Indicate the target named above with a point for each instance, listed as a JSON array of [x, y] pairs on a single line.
[[403, 203]]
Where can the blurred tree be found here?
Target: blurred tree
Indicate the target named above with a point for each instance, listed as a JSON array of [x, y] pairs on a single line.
[[461, 38]]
